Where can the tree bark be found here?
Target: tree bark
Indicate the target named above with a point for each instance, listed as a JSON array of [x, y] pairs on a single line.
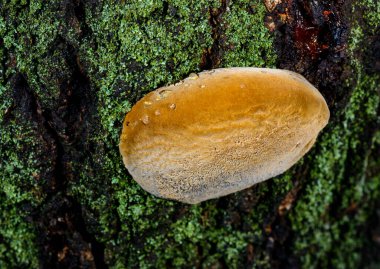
[[69, 72]]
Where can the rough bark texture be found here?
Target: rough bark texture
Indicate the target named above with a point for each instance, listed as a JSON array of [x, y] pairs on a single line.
[[70, 70]]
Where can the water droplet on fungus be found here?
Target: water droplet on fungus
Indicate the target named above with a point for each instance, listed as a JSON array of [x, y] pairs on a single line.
[[164, 93], [172, 106], [145, 119], [178, 83], [193, 76]]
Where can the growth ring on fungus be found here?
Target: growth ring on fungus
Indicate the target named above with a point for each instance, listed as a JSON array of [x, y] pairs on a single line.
[[220, 131]]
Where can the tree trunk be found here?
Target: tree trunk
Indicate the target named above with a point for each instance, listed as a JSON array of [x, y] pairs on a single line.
[[69, 72]]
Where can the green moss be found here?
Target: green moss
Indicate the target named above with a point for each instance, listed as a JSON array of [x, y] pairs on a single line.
[[17, 237], [31, 33], [328, 226], [21, 177], [371, 14], [140, 48], [249, 41], [26, 34]]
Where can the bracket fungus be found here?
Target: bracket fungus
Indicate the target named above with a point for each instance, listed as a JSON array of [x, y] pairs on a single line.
[[220, 131]]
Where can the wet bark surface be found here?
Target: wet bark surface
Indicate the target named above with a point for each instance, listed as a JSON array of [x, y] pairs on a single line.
[[310, 37]]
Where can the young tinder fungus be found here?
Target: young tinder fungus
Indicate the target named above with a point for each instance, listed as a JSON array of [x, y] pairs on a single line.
[[220, 131]]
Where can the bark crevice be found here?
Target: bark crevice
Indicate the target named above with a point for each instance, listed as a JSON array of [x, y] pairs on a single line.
[[62, 234], [212, 56]]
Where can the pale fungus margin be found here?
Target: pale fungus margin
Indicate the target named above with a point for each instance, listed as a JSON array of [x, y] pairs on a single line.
[[220, 131]]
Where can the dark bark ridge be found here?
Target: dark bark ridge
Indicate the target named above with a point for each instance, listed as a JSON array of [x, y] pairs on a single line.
[[62, 236], [64, 240]]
